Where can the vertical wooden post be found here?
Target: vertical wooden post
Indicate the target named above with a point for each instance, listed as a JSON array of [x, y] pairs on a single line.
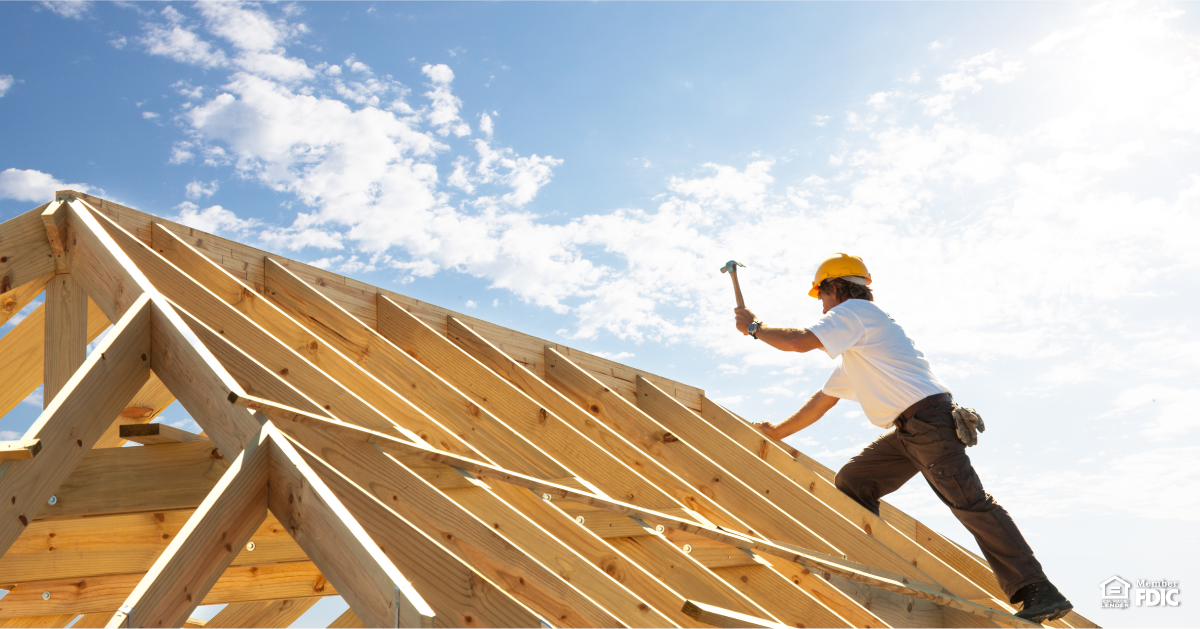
[[66, 333]]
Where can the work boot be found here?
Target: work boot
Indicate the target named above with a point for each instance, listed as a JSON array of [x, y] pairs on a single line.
[[1041, 602]]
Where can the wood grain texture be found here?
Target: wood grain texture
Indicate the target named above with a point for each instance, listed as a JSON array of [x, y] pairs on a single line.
[[14, 299], [404, 375], [238, 584], [154, 434], [278, 613], [347, 620], [75, 420], [308, 509], [526, 416], [66, 333], [25, 254], [122, 544], [260, 326], [195, 559], [105, 272], [153, 396], [22, 347], [54, 219]]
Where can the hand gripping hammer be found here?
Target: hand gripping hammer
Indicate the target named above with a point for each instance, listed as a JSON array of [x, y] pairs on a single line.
[[731, 267]]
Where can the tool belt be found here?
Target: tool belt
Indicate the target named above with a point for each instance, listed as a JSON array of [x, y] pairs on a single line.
[[919, 406]]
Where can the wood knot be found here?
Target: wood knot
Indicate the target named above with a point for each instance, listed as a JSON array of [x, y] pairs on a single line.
[[312, 347], [216, 454], [745, 579], [79, 443], [143, 357], [24, 522], [910, 607], [283, 372], [161, 517], [812, 487], [867, 528], [669, 438], [542, 416], [643, 607], [595, 408]]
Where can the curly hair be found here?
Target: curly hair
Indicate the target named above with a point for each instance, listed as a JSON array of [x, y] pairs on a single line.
[[845, 290]]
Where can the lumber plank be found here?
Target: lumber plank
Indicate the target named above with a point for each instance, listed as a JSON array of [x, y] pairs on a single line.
[[401, 372], [74, 421], [20, 449], [198, 555], [519, 411], [820, 495], [649, 467], [130, 480], [25, 254], [54, 220], [108, 276], [319, 522], [122, 544], [22, 348], [55, 620], [65, 344], [843, 536], [237, 311], [238, 584], [347, 620], [806, 562], [462, 564], [279, 613], [151, 400], [153, 434], [718, 617], [14, 299]]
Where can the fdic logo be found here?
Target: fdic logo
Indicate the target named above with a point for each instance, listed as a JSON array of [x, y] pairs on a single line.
[[1115, 593]]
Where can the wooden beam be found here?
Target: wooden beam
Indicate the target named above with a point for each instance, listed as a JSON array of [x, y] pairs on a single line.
[[152, 434], [147, 403], [55, 620], [207, 545], [19, 450], [347, 620], [201, 291], [338, 544], [719, 617], [406, 515], [75, 420], [66, 332], [279, 613], [82, 548], [25, 254], [22, 348], [13, 300], [54, 219], [106, 593], [502, 443], [777, 489], [109, 276], [538, 424]]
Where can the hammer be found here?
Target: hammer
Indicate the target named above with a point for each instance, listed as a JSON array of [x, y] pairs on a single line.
[[731, 267]]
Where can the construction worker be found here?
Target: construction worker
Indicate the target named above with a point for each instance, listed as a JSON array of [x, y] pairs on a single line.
[[880, 367]]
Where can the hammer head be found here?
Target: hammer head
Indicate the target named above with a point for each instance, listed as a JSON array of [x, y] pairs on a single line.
[[731, 266]]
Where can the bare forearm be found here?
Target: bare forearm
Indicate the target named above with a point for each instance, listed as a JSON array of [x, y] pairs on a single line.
[[789, 339], [814, 409]]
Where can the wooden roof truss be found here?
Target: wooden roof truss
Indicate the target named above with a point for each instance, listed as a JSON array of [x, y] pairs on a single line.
[[430, 468]]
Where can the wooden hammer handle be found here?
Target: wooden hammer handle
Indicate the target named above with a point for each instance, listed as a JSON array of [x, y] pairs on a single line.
[[737, 290]]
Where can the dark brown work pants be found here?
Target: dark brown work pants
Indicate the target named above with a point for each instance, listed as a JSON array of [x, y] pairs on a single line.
[[927, 443]]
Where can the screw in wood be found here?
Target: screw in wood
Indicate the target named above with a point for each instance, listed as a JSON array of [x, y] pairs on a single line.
[[546, 497], [687, 548], [52, 501], [660, 528], [250, 546], [46, 595], [579, 519]]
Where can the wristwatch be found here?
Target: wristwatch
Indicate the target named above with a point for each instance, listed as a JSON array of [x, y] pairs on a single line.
[[754, 328]]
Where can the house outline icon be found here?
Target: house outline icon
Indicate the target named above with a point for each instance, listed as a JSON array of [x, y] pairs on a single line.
[[1114, 587]]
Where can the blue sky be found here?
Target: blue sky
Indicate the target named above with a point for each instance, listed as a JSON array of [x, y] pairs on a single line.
[[1022, 180]]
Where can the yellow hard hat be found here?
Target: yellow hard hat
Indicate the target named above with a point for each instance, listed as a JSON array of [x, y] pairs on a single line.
[[839, 265]]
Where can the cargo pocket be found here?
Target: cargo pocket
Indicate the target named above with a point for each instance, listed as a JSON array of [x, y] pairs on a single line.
[[957, 483]]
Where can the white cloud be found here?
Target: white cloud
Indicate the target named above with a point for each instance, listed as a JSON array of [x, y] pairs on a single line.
[[72, 9], [820, 120], [214, 219], [246, 26], [174, 41], [471, 304], [34, 185], [778, 391], [936, 45], [119, 43], [443, 113], [196, 189], [617, 356], [485, 123], [6, 82], [9, 435], [149, 115]]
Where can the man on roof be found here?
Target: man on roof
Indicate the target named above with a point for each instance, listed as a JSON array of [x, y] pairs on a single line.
[[878, 366]]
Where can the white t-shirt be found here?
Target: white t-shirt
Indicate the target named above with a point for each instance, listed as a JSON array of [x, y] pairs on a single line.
[[879, 365]]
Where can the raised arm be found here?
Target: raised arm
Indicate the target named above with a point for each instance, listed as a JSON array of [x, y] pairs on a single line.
[[814, 409], [786, 339]]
